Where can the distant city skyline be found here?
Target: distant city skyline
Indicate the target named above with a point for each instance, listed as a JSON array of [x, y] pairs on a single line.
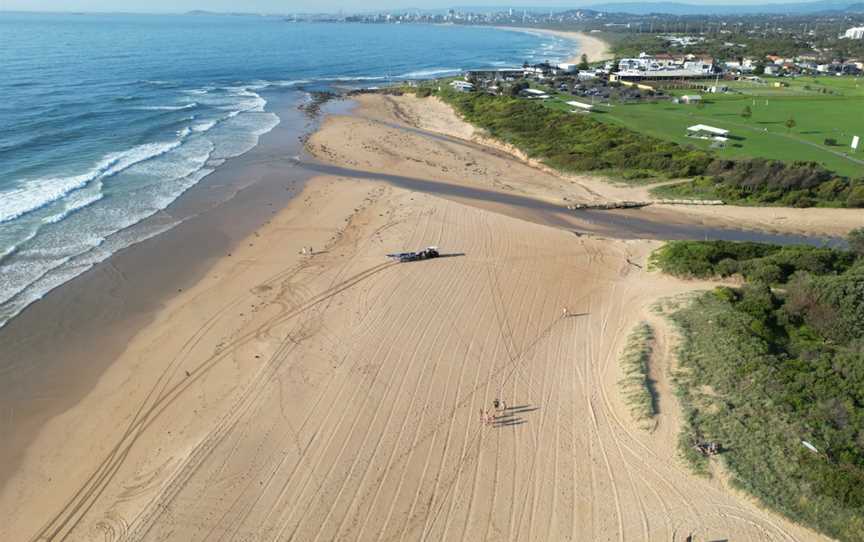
[[283, 6]]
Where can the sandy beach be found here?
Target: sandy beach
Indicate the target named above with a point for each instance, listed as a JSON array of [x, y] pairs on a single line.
[[338, 395], [592, 46]]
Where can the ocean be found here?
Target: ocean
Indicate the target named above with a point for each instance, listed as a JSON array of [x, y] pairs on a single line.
[[108, 119]]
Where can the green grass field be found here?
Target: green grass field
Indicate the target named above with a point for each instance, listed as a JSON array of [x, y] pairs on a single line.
[[837, 112]]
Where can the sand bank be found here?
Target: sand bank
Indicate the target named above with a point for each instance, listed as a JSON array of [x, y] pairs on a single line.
[[338, 396], [595, 48]]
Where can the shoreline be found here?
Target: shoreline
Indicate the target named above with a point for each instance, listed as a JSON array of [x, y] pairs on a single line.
[[111, 302], [593, 47], [274, 393]]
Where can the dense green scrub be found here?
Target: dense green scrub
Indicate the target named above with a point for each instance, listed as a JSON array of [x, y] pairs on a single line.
[[572, 142], [758, 182], [762, 369], [576, 142]]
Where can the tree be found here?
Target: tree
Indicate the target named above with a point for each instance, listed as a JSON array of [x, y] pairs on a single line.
[[856, 241], [583, 65], [746, 112], [790, 123], [516, 88]]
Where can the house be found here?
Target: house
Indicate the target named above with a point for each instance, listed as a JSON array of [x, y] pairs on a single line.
[[533, 93], [462, 86], [501, 74], [665, 66], [540, 71]]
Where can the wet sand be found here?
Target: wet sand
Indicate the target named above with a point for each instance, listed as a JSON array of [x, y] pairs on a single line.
[[283, 395], [56, 350]]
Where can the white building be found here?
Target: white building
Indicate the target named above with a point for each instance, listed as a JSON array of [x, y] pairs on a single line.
[[462, 86], [535, 94], [665, 66], [855, 33]]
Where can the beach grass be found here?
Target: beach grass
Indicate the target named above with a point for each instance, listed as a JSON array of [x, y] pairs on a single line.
[[636, 386]]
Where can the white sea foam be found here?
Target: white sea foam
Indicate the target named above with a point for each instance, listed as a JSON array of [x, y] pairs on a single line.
[[347, 78], [204, 126], [87, 197], [80, 227], [67, 270], [192, 105], [420, 74], [32, 194]]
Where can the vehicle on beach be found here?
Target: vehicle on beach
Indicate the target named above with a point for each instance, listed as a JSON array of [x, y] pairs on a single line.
[[425, 254]]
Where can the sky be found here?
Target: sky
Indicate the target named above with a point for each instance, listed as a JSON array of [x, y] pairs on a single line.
[[296, 6]]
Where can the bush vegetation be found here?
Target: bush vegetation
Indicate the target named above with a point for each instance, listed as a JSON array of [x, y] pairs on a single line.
[[571, 142], [762, 369], [757, 262], [770, 182], [636, 386], [575, 142]]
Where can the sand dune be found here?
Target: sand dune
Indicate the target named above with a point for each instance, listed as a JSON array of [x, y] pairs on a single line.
[[338, 396]]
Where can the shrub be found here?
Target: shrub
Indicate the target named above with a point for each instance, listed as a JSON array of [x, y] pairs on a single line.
[[726, 267], [769, 264], [765, 273], [856, 241], [856, 196]]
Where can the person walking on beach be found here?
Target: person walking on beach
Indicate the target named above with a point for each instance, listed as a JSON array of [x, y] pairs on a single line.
[[496, 403]]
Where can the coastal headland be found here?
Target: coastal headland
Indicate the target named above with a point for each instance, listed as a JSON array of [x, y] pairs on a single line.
[[290, 394]]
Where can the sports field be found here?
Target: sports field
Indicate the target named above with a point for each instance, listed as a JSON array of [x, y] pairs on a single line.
[[823, 108]]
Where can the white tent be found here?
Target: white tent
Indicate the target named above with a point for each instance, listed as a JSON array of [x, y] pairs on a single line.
[[703, 130], [580, 105]]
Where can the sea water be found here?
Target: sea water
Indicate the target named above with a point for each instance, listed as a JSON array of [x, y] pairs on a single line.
[[107, 119]]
